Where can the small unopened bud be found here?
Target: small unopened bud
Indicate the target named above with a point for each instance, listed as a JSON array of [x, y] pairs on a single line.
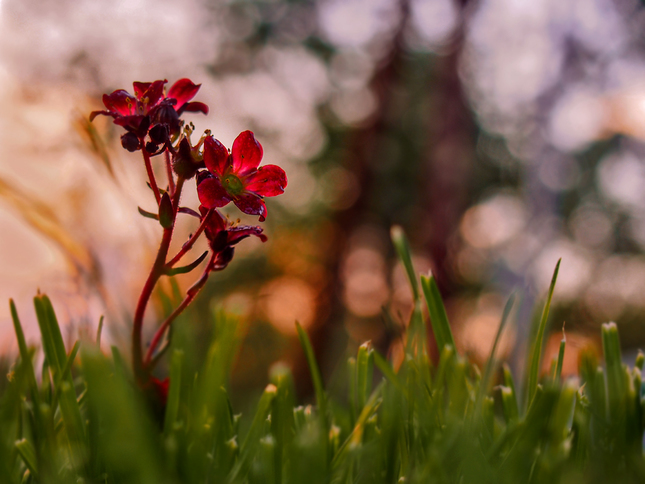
[[159, 134], [130, 142], [165, 211], [166, 115], [184, 163]]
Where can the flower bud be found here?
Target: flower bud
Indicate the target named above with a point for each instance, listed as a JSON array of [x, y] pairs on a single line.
[[184, 163], [130, 142]]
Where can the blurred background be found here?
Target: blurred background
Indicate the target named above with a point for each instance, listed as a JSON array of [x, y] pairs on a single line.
[[500, 134]]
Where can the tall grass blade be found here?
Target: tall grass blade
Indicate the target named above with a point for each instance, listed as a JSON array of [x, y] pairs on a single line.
[[28, 455], [558, 366], [402, 248], [316, 377], [438, 316], [127, 443], [490, 363], [536, 352], [25, 357]]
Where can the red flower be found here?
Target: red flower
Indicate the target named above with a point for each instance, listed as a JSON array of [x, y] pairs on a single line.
[[236, 177], [222, 235], [150, 107]]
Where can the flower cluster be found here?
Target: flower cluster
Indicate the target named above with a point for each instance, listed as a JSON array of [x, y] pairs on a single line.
[[150, 112], [153, 124]]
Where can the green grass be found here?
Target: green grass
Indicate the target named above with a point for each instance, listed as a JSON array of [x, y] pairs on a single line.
[[81, 419]]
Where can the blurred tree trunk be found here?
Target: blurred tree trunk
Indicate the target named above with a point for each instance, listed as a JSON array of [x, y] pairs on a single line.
[[430, 167], [449, 158]]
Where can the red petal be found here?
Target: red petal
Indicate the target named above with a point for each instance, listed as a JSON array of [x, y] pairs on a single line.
[[121, 102], [268, 181], [155, 92], [140, 88], [194, 107], [94, 114], [132, 122], [215, 156], [251, 204], [235, 234], [211, 193], [215, 225], [247, 153], [183, 91]]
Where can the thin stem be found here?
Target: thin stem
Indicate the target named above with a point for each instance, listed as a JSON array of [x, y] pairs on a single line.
[[151, 174], [171, 178], [190, 295], [156, 272], [190, 242]]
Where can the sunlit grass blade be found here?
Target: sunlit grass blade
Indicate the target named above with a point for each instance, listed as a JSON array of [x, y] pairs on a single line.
[[558, 366], [212, 423], [356, 435], [99, 331], [364, 372], [509, 382], [66, 370], [252, 439], [509, 404], [282, 420], [316, 377], [25, 355], [536, 351], [352, 390], [52, 340], [402, 247], [28, 455], [388, 372], [490, 363], [613, 362], [438, 316]]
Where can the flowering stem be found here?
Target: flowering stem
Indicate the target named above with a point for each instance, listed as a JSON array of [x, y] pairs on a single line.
[[171, 179], [190, 295], [155, 273], [151, 174], [189, 244]]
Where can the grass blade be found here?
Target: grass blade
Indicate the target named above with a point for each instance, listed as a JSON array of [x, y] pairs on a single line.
[[490, 364], [364, 372], [321, 398], [25, 355], [28, 454], [174, 392], [402, 248], [536, 352], [558, 366], [438, 316]]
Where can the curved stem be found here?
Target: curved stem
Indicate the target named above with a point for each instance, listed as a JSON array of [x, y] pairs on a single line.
[[190, 242], [156, 272], [151, 174], [190, 295]]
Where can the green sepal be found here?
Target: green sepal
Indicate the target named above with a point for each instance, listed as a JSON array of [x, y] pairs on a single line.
[[188, 268], [146, 214], [166, 213]]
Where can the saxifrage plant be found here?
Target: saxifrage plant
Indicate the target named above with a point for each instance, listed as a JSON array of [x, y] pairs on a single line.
[[93, 421]]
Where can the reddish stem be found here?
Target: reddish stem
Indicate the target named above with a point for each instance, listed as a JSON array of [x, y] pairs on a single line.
[[158, 269], [171, 179], [190, 295], [151, 174], [190, 242]]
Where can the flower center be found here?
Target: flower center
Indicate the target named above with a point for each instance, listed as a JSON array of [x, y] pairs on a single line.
[[233, 184]]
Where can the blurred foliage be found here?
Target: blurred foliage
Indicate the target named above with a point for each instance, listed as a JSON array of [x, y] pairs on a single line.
[[84, 420]]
